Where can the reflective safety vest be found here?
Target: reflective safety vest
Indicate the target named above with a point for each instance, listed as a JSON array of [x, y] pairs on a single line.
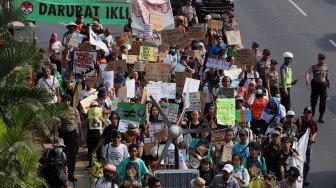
[[94, 118], [288, 76]]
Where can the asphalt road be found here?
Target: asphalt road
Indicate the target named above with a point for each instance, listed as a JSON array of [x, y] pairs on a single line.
[[304, 27]]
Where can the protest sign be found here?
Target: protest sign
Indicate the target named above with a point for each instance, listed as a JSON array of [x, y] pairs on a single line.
[[215, 24], [94, 82], [233, 37], [195, 102], [226, 111], [179, 68], [244, 57], [140, 66], [75, 39], [118, 65], [191, 85], [160, 90], [171, 37], [217, 137], [243, 116], [108, 79], [148, 147], [84, 63], [148, 53], [227, 153], [195, 53], [122, 39], [123, 124], [114, 103], [148, 31], [158, 72], [85, 46], [156, 19], [122, 94], [85, 103], [96, 41], [65, 10], [144, 95], [226, 92], [180, 78], [196, 33], [154, 128], [172, 112], [160, 135], [132, 112], [130, 84], [184, 42], [130, 59], [135, 48], [215, 63]]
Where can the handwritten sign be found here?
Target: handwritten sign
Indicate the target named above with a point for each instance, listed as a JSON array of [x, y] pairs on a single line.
[[195, 102], [244, 57], [156, 19], [180, 78], [108, 79], [215, 24], [171, 37], [94, 81], [130, 84], [85, 103], [122, 39], [76, 39], [117, 65], [135, 48], [184, 42], [191, 85], [84, 63], [196, 33], [148, 53], [160, 90], [132, 112], [226, 93], [243, 116], [123, 125], [158, 72], [154, 128], [226, 111], [233, 37], [214, 63], [130, 59], [140, 66], [217, 137]]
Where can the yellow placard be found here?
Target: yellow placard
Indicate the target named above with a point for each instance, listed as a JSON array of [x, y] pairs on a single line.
[[148, 53]]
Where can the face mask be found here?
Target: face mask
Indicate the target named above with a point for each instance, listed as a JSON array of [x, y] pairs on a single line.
[[82, 20], [58, 150], [172, 52], [224, 56], [178, 100], [259, 92]]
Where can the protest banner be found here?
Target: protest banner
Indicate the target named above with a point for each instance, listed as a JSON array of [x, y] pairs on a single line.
[[96, 41], [130, 84], [195, 102], [85, 103], [65, 10], [122, 39], [226, 111], [180, 78], [141, 13], [135, 48], [160, 90], [130, 59], [148, 53], [108, 79], [75, 39], [191, 85], [215, 24], [84, 63], [117, 65], [217, 137], [132, 112], [244, 57], [226, 93], [140, 66], [123, 124], [243, 115], [94, 82], [215, 63], [233, 37], [196, 33], [158, 72], [156, 19], [171, 37]]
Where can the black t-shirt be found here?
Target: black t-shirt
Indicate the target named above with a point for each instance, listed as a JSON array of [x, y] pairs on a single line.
[[107, 132], [207, 175]]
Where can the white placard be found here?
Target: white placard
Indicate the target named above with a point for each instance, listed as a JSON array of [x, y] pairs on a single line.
[[130, 84], [108, 79], [191, 85]]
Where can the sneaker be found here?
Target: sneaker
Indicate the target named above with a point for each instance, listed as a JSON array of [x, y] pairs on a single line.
[[305, 182]]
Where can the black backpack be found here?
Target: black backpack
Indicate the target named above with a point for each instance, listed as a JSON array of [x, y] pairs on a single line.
[[242, 82], [60, 174]]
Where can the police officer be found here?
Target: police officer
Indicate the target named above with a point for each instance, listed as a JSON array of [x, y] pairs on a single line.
[[286, 81], [319, 85]]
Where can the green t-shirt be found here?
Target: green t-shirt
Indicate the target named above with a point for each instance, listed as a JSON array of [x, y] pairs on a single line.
[[131, 170]]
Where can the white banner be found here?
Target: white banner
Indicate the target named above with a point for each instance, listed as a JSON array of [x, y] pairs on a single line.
[[96, 41]]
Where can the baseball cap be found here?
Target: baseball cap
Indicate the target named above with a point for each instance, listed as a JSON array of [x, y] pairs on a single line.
[[290, 113], [276, 132], [243, 131], [307, 109], [110, 167], [228, 168]]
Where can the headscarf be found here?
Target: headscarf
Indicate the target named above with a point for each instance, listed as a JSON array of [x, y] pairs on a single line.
[[276, 101], [52, 42]]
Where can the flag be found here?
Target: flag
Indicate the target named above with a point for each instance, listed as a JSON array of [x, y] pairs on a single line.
[[96, 41], [243, 115]]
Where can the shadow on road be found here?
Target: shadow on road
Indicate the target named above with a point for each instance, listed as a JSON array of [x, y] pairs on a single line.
[[330, 104], [324, 179], [324, 43], [332, 2]]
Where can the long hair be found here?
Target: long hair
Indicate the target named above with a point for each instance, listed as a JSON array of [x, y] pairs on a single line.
[[52, 41]]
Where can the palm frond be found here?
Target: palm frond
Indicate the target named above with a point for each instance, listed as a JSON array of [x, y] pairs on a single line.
[[10, 15]]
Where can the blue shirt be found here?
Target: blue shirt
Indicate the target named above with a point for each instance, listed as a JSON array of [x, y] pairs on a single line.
[[215, 49], [238, 148]]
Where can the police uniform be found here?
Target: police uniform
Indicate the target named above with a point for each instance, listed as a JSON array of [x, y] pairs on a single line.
[[285, 83], [319, 86]]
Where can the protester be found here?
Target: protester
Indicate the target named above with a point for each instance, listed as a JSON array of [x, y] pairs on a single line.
[[294, 173], [51, 85], [190, 13], [263, 65], [239, 171], [198, 183], [242, 147], [115, 152], [225, 179], [109, 178], [272, 76]]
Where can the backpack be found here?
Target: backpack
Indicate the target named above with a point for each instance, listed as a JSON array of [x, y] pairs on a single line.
[[61, 176], [242, 82]]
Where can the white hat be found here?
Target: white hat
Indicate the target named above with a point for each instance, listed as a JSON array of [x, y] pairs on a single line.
[[290, 113], [207, 17], [228, 168], [288, 54]]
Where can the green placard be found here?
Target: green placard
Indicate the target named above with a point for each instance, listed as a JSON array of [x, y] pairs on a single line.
[[132, 112], [226, 111], [66, 10]]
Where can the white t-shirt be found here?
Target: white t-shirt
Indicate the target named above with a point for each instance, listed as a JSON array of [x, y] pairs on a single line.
[[109, 39], [114, 155], [102, 183], [51, 85], [85, 93], [250, 77]]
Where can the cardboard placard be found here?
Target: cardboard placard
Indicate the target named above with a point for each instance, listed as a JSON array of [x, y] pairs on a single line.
[[135, 48], [184, 42], [122, 39], [108, 79], [217, 137], [130, 59], [203, 102], [94, 81], [148, 53], [215, 63], [171, 37], [85, 103], [84, 63], [196, 53], [148, 147], [156, 19], [180, 78], [118, 65], [226, 93], [226, 111], [158, 72], [154, 128], [244, 57], [144, 95], [196, 33], [122, 94], [85, 46], [76, 39], [140, 66], [160, 135], [215, 24], [233, 37]]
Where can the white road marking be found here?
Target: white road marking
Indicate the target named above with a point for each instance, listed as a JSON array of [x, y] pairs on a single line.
[[297, 7], [333, 43], [62, 23]]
